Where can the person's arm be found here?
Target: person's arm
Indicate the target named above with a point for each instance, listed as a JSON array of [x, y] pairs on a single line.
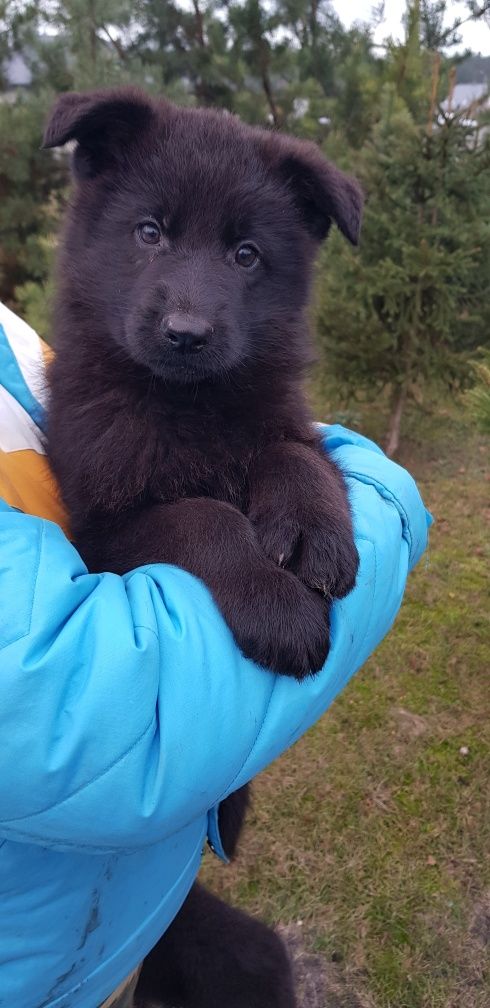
[[126, 710]]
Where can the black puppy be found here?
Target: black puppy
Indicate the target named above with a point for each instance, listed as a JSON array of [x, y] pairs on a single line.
[[178, 427]]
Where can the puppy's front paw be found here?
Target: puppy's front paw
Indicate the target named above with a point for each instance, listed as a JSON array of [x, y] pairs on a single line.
[[327, 559], [318, 549], [278, 622]]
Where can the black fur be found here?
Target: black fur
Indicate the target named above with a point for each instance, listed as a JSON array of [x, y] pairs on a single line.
[[229, 961], [178, 427]]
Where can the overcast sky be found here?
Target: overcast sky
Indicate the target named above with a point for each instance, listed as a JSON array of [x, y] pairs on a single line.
[[475, 36]]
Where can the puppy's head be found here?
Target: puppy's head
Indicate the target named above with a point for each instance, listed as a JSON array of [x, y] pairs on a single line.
[[191, 236]]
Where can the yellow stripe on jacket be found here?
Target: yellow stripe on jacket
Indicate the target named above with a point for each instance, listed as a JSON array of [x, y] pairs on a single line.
[[26, 481]]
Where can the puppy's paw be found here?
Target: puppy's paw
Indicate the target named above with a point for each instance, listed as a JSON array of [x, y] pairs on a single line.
[[326, 559], [315, 547], [279, 623]]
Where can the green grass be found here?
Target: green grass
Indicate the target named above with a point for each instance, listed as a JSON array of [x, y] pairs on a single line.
[[374, 830]]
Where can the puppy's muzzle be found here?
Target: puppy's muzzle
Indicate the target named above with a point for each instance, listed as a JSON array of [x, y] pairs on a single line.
[[186, 334]]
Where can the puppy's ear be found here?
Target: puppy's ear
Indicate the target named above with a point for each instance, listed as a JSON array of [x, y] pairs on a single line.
[[322, 192], [102, 122]]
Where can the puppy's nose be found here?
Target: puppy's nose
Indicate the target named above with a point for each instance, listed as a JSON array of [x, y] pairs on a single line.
[[186, 333]]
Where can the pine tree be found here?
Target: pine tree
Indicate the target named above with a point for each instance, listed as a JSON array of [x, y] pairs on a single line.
[[32, 187], [405, 311]]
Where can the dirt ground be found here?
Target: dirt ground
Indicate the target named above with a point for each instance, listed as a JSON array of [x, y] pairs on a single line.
[[320, 982]]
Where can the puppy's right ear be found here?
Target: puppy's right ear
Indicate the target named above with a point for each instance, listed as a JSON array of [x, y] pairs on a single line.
[[322, 193], [102, 122]]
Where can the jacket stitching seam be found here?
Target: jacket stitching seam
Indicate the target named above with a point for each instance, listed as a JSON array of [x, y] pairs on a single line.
[[249, 754], [15, 640], [38, 564], [370, 620], [143, 626], [83, 787], [387, 495]]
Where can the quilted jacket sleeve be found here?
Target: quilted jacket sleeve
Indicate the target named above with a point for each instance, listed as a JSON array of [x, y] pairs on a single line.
[[126, 710]]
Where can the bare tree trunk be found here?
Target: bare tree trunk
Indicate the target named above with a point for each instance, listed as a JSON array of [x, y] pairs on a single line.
[[199, 24], [313, 22], [398, 403], [266, 82], [436, 73], [116, 45]]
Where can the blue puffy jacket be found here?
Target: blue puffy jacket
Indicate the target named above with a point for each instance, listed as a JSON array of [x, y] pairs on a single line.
[[127, 714]]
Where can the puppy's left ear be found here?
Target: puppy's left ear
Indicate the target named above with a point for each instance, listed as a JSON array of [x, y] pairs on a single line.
[[103, 123], [322, 192]]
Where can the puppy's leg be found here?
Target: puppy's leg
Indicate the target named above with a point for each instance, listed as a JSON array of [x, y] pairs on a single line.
[[276, 620], [214, 956], [231, 817], [299, 508]]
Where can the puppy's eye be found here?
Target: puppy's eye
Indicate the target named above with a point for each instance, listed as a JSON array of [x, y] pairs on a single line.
[[247, 256], [149, 233]]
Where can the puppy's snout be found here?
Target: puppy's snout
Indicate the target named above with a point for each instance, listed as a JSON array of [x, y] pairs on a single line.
[[186, 333]]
